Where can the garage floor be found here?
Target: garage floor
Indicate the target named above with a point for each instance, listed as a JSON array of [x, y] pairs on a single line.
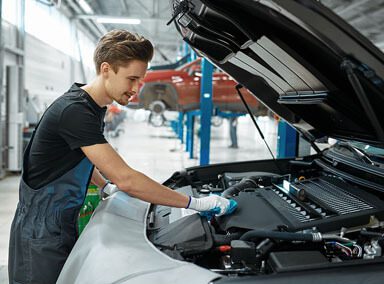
[[156, 152]]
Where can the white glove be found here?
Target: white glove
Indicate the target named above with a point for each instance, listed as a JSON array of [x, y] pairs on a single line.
[[209, 203], [109, 189]]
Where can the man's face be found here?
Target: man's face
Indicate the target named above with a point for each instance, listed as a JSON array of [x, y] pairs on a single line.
[[124, 84]]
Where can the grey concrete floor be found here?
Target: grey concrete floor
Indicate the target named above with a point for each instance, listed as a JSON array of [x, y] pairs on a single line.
[[156, 152]]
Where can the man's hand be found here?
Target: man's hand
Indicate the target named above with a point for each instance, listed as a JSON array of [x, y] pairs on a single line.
[[210, 203]]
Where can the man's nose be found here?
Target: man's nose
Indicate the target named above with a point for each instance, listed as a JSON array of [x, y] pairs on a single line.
[[135, 87]]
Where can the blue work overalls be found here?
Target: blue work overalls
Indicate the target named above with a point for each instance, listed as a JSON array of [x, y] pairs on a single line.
[[44, 229]]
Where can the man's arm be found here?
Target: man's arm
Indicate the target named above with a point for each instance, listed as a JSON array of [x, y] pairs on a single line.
[[135, 183]]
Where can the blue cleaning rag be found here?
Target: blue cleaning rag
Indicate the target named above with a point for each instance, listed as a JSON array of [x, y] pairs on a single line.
[[209, 214]]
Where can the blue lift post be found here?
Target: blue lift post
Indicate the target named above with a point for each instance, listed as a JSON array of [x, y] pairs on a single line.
[[180, 127], [189, 134], [189, 139], [206, 107], [185, 48], [193, 56], [286, 141], [190, 123]]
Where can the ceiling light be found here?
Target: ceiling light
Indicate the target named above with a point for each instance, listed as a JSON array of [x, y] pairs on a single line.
[[114, 20], [85, 6]]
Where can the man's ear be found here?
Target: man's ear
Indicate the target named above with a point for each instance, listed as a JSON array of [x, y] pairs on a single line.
[[104, 69]]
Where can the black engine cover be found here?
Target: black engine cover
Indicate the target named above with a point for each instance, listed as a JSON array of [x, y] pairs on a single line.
[[329, 205]]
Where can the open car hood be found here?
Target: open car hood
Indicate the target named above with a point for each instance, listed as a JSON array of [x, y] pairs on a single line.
[[299, 58]]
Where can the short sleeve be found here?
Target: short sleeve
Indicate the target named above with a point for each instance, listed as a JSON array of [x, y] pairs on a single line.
[[79, 126]]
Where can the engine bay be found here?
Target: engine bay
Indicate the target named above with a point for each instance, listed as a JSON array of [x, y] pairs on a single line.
[[303, 220]]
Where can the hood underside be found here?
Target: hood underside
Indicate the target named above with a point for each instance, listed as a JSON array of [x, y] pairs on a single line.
[[299, 58]]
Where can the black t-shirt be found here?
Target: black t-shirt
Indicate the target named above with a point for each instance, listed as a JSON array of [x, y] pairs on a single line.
[[72, 121]]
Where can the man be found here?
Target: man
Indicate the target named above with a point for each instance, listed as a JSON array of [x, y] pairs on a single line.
[[68, 149], [233, 132]]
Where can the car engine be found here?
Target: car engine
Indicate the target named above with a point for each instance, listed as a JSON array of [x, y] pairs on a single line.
[[309, 219]]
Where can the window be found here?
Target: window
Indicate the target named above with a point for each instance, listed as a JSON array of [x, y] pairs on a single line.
[[49, 25], [9, 11]]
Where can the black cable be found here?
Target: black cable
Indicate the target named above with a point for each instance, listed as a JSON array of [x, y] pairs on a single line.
[[238, 87], [372, 234]]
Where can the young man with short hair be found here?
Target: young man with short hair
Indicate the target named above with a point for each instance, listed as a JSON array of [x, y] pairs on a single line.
[[68, 149]]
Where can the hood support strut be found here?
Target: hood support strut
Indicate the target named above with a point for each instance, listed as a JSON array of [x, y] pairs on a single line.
[[238, 87], [350, 68]]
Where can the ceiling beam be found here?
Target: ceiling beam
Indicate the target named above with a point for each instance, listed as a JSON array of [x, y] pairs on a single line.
[[124, 5], [156, 8], [95, 30], [352, 7], [145, 8]]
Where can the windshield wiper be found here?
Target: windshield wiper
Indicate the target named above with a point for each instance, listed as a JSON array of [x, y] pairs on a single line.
[[358, 153]]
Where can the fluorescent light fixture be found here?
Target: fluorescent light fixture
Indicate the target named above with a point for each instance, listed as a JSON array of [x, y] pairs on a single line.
[[114, 20], [85, 6]]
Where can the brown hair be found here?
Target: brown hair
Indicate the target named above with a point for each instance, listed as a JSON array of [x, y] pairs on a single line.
[[118, 47]]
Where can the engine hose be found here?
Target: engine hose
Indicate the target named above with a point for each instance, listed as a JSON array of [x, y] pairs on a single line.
[[245, 183], [372, 234], [313, 237], [264, 247]]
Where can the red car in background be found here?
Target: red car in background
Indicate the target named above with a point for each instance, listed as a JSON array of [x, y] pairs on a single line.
[[179, 90]]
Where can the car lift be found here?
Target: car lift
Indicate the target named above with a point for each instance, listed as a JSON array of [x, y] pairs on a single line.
[[205, 112], [286, 140], [287, 136]]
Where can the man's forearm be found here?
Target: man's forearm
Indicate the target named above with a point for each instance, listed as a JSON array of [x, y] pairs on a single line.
[[136, 184], [140, 186]]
